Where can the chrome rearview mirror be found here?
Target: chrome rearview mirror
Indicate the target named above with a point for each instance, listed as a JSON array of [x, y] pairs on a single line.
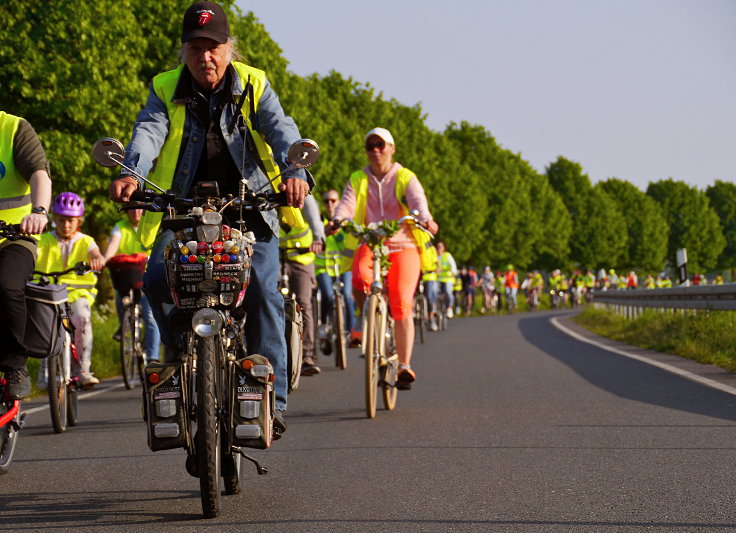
[[303, 153], [108, 152]]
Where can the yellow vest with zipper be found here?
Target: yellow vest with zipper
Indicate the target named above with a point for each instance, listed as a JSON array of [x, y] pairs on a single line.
[[359, 183], [164, 85], [49, 260], [297, 237], [15, 192]]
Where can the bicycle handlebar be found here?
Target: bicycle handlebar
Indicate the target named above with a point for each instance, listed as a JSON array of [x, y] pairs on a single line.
[[79, 269], [149, 200]]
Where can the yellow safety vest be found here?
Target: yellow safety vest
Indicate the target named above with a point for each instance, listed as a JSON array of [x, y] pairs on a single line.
[[334, 244], [15, 192], [429, 276], [130, 242], [164, 85], [359, 182], [297, 237], [49, 260], [445, 274]]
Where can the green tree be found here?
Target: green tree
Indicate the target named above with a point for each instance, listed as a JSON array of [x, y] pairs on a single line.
[[645, 224], [722, 196], [693, 223], [599, 234]]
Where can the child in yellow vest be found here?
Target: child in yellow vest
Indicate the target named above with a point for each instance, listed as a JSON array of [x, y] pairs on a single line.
[[61, 249]]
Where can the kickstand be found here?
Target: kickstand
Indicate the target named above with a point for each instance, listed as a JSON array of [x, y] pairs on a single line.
[[262, 470]]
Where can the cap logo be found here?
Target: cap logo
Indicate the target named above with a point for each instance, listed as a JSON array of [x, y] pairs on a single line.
[[204, 16]]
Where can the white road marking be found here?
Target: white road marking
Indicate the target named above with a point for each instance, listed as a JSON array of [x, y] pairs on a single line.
[[84, 396], [664, 366]]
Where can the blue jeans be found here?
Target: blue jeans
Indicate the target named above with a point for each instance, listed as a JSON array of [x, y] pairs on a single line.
[[324, 281], [446, 288], [430, 291], [152, 342], [264, 305]]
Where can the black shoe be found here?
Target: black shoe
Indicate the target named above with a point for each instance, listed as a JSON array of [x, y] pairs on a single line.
[[192, 466], [116, 336], [279, 424], [19, 384], [310, 369]]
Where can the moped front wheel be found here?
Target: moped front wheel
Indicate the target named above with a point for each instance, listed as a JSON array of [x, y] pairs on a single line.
[[208, 431]]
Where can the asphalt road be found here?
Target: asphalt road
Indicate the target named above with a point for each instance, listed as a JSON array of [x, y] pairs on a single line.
[[512, 426]]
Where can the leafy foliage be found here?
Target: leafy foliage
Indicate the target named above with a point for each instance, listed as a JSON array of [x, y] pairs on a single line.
[[79, 72]]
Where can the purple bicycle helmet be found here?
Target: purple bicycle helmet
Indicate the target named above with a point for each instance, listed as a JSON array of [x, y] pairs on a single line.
[[68, 204]]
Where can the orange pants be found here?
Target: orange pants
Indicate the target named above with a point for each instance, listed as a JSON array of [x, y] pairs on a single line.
[[403, 275]]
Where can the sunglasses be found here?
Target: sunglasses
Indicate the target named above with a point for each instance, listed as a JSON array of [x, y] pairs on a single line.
[[330, 200], [380, 144]]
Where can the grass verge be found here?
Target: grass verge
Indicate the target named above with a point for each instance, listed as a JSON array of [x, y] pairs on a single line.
[[706, 336]]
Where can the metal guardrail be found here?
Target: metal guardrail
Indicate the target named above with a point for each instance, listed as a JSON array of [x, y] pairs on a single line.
[[713, 297]]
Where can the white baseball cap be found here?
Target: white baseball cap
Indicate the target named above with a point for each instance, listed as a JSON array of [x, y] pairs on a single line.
[[383, 133]]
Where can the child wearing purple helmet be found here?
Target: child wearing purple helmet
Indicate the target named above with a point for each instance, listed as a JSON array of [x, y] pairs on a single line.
[[60, 249]]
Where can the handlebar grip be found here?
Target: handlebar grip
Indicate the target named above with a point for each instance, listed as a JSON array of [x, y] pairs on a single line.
[[141, 196]]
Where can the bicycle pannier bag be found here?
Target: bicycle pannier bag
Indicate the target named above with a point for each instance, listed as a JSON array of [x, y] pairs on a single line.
[[251, 402], [294, 326], [44, 335], [165, 406]]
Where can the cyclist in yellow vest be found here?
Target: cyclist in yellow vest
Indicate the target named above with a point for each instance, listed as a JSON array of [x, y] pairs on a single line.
[[325, 268], [446, 274], [192, 127], [125, 241], [299, 266], [25, 196], [385, 190], [431, 287], [60, 249]]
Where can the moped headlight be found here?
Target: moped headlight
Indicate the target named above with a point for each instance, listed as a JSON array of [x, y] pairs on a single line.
[[206, 322], [211, 217]]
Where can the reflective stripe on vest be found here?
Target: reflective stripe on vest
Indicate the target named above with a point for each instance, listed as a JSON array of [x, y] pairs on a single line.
[[300, 238], [49, 260], [15, 192], [164, 85], [130, 242], [359, 183]]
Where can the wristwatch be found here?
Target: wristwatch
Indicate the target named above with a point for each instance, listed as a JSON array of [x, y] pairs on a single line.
[[40, 210]]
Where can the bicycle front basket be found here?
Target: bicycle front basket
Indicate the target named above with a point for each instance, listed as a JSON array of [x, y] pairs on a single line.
[[44, 335]]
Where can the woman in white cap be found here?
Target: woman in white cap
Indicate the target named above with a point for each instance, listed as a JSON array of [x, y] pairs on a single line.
[[385, 190]]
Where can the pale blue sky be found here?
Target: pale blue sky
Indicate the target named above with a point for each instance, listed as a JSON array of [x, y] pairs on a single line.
[[636, 89]]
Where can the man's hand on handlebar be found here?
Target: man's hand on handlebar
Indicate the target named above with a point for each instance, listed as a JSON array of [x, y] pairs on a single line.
[[121, 189], [332, 226], [33, 224], [296, 190], [317, 247]]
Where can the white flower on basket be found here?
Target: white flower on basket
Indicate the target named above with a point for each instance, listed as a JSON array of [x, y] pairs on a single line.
[[373, 226], [384, 250]]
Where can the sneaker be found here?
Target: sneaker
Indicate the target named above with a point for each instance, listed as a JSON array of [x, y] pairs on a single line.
[[86, 379], [279, 424], [309, 367], [482, 310], [450, 314], [42, 381], [19, 384], [116, 336], [323, 332], [405, 378], [433, 325]]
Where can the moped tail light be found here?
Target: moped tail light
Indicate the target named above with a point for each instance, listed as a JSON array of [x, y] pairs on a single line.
[[247, 364], [154, 377]]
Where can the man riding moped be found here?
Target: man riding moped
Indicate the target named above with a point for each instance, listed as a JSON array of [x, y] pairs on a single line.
[[214, 119]]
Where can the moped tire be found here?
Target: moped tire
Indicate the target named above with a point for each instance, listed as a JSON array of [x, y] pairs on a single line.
[[208, 427]]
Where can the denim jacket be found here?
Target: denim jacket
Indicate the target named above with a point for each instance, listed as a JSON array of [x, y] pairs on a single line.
[[152, 127]]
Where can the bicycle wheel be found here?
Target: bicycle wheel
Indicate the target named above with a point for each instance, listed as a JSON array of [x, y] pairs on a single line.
[[208, 431], [419, 316], [390, 370], [8, 437], [372, 354], [128, 356], [57, 390], [139, 352], [341, 343]]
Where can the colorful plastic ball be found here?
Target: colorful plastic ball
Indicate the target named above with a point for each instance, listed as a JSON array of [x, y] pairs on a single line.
[[184, 250], [217, 247], [201, 258], [217, 258], [225, 258], [192, 258], [184, 258]]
